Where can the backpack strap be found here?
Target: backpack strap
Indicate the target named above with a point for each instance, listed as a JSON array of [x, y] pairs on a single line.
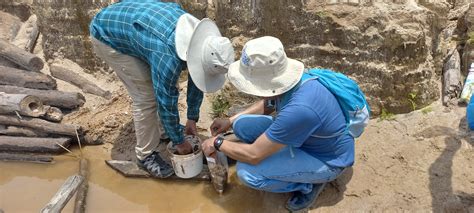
[[307, 76]]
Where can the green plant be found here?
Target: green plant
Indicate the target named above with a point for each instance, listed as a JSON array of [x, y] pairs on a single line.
[[412, 99], [426, 110], [470, 40], [386, 115], [219, 106], [322, 14]]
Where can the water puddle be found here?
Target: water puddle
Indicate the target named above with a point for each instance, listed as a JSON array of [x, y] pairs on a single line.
[[28, 187]]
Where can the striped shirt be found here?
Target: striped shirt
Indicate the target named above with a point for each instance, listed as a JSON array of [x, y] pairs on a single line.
[[146, 30]]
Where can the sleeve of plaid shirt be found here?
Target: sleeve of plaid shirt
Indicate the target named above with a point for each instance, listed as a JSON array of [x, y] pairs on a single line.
[[165, 73], [194, 100]]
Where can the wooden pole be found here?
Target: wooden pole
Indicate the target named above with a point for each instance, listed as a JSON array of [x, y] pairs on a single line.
[[61, 72], [53, 114], [28, 79], [452, 84], [21, 57], [39, 124], [31, 158], [64, 194], [21, 131], [36, 145], [68, 100], [21, 103], [27, 35], [80, 202]]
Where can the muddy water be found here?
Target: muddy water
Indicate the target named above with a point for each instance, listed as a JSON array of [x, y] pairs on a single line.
[[28, 187]]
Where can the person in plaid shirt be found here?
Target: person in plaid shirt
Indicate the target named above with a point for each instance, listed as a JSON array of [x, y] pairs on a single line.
[[148, 44]]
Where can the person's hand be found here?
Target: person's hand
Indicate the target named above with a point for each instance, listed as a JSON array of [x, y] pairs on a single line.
[[184, 148], [220, 126], [190, 128], [208, 147]]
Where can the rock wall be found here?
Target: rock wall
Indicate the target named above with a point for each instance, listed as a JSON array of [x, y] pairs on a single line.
[[391, 47]]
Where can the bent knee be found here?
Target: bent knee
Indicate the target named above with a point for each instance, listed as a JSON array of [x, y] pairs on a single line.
[[250, 179]]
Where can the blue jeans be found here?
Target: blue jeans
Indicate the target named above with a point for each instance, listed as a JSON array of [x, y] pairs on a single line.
[[288, 170]]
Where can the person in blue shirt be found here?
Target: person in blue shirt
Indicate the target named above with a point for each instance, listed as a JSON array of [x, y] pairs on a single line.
[[148, 44], [295, 151]]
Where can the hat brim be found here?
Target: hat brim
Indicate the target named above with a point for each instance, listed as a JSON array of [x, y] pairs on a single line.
[[276, 86], [205, 82], [184, 30]]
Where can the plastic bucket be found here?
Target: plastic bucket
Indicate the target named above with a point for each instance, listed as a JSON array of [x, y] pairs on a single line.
[[186, 166]]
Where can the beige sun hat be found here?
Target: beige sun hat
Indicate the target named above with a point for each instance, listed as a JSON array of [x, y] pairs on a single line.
[[209, 56], [183, 32], [264, 70]]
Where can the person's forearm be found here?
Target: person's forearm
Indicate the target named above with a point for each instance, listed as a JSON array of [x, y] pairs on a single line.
[[241, 152], [193, 100]]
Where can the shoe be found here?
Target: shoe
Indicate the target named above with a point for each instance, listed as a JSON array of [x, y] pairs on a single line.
[[299, 201], [156, 166]]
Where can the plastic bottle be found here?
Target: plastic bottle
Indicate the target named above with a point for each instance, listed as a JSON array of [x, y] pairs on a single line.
[[470, 114], [468, 88]]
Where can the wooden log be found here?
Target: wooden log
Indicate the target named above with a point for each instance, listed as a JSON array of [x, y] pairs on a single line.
[[68, 100], [30, 158], [42, 125], [64, 194], [23, 78], [27, 35], [80, 202], [53, 114], [21, 131], [452, 84], [131, 169], [7, 63], [36, 145], [23, 104], [64, 73], [21, 57]]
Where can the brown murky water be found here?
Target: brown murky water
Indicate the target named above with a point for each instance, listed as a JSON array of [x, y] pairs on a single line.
[[28, 187]]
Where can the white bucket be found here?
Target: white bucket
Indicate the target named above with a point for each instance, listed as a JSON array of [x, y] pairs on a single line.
[[186, 166]]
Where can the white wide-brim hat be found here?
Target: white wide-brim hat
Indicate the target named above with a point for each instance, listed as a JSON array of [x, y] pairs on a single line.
[[183, 32], [209, 56], [264, 70]]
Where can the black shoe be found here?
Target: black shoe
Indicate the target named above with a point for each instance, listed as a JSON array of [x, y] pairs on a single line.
[[156, 166], [299, 201]]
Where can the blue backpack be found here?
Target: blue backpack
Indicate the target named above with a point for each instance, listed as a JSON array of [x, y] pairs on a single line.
[[349, 96]]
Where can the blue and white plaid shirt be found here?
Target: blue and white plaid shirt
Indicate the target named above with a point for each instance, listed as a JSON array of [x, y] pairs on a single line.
[[146, 30]]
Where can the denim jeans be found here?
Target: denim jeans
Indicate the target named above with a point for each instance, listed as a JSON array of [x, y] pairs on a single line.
[[288, 170]]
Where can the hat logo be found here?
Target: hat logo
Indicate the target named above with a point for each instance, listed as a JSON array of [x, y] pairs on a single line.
[[245, 58]]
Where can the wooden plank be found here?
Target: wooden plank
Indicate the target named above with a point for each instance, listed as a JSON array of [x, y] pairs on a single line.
[[21, 57], [40, 124], [68, 100], [18, 157], [35, 145], [131, 169], [80, 202], [27, 79], [62, 72], [64, 194], [21, 103]]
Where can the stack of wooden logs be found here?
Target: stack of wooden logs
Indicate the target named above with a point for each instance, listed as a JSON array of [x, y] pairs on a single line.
[[31, 107]]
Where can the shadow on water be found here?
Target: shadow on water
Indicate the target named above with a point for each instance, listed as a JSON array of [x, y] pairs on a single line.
[[444, 199]]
